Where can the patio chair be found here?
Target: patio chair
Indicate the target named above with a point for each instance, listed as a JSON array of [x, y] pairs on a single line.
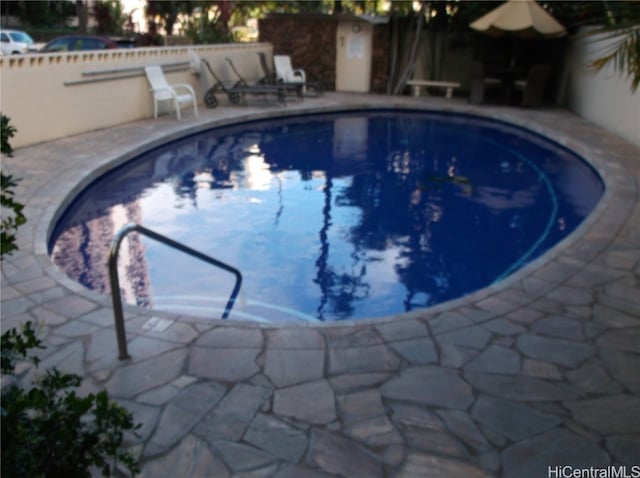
[[163, 91], [269, 77], [288, 75], [240, 88], [480, 83], [533, 87]]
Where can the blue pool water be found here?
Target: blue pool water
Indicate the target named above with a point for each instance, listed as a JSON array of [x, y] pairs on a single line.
[[329, 216]]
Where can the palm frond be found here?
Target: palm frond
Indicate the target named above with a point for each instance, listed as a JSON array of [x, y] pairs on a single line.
[[623, 54]]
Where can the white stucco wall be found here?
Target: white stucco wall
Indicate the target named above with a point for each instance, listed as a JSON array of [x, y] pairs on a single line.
[[603, 97]]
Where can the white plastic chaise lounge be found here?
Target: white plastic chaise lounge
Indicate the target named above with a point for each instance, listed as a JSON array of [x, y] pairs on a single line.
[[163, 91], [285, 73]]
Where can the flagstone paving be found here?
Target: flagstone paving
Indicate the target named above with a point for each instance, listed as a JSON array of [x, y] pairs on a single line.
[[542, 369]]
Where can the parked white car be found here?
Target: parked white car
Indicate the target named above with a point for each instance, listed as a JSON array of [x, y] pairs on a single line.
[[13, 42]]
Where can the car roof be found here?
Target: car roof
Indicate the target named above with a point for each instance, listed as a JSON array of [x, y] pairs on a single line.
[[10, 30], [108, 41], [100, 37]]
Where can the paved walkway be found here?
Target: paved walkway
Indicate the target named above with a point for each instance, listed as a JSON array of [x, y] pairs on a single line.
[[540, 370]]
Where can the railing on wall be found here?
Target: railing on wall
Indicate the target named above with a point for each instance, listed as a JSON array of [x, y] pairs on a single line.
[[124, 73]]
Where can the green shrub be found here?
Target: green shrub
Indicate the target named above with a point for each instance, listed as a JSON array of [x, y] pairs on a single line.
[[6, 133], [15, 218], [50, 431]]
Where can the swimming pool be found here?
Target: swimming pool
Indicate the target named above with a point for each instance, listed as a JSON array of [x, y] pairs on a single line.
[[330, 216]]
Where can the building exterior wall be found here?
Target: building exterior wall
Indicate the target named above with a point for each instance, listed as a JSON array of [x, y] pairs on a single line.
[[53, 95], [380, 59], [602, 97], [354, 52]]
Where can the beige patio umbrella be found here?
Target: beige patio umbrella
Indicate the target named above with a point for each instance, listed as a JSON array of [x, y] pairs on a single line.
[[520, 18]]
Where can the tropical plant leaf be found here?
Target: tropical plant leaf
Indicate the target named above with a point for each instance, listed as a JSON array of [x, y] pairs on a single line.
[[623, 54]]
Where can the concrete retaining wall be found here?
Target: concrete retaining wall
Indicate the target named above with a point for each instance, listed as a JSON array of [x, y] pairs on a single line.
[[53, 95]]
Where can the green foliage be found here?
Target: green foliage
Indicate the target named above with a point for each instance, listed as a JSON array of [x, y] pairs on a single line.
[[12, 221], [109, 17], [7, 132], [207, 35], [620, 27], [615, 23], [50, 431], [205, 21], [438, 182], [624, 53], [204, 31], [45, 13], [168, 11], [15, 218], [15, 345]]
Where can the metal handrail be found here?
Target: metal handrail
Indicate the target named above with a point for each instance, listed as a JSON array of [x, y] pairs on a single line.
[[180, 65], [124, 73], [115, 282]]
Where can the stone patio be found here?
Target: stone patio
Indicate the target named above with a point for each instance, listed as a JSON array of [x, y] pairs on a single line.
[[539, 370]]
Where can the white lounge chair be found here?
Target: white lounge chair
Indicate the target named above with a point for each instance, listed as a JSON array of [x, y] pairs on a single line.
[[286, 73], [163, 91], [290, 76]]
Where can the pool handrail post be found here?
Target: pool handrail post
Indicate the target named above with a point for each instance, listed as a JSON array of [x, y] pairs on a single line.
[[116, 297]]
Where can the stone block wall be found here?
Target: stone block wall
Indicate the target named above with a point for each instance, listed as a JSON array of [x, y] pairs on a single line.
[[380, 59], [310, 40]]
